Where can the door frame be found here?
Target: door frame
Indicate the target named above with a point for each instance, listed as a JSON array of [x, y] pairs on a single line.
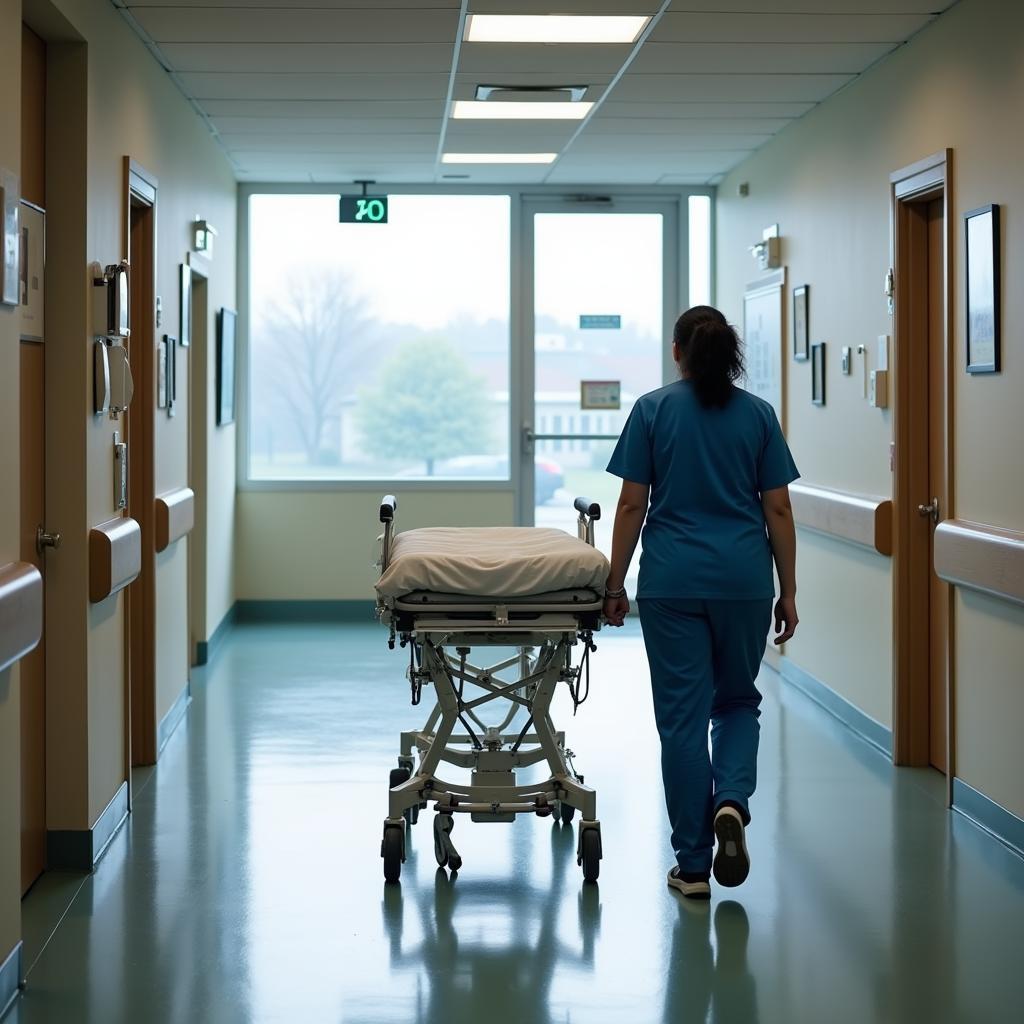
[[674, 272], [919, 183], [140, 191]]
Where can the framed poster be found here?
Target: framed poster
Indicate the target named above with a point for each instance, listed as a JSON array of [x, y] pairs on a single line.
[[763, 339], [801, 326], [600, 394], [981, 262], [30, 277], [10, 239], [818, 373], [226, 321], [185, 306]]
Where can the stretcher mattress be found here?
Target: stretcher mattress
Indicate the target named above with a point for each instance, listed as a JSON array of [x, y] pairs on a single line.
[[500, 562]]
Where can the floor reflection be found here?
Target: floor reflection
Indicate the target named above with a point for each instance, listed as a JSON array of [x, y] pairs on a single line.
[[485, 946]]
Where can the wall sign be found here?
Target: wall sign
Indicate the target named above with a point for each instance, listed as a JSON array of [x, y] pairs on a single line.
[[600, 322], [363, 210], [600, 394], [762, 332]]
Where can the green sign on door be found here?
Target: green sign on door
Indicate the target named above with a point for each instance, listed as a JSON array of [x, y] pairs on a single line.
[[363, 210]]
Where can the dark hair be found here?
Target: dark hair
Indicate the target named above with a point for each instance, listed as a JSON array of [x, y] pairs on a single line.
[[710, 353]]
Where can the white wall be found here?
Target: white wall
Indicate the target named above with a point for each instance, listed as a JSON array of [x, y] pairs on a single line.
[[825, 180]]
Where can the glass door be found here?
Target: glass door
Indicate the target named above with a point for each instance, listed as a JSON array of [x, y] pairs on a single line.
[[602, 295]]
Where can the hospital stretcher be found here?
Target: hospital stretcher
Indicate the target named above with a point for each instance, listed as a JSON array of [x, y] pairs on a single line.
[[535, 592]]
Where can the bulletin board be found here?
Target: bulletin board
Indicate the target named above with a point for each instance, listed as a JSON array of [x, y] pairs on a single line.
[[763, 311]]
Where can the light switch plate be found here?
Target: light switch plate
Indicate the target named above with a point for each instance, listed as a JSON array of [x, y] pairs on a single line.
[[847, 360]]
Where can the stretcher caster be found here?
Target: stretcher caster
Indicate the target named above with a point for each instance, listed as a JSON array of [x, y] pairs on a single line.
[[392, 849], [566, 812], [444, 850], [588, 852], [397, 777]]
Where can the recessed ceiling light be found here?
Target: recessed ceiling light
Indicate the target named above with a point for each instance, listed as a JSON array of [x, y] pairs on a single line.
[[477, 110], [498, 158], [553, 28]]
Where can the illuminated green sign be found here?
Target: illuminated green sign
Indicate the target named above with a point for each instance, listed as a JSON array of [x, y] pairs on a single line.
[[364, 210]]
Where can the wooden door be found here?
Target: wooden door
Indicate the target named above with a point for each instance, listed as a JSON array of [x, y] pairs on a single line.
[[32, 479], [938, 592]]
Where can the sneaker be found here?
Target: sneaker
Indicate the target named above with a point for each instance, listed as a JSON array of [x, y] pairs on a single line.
[[692, 888], [732, 863]]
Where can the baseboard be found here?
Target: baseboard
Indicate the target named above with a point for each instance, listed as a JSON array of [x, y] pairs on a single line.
[[81, 849], [206, 649], [995, 819], [849, 714], [173, 717], [10, 979], [305, 611]]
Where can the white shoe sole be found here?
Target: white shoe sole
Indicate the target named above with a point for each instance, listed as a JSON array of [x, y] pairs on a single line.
[[732, 862], [691, 890]]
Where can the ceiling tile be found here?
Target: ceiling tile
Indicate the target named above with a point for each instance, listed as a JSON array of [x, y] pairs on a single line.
[[765, 126], [810, 7], [355, 5], [682, 143], [560, 64], [324, 108], [282, 24], [756, 58], [702, 27], [314, 126], [341, 142], [683, 88], [710, 107], [310, 58], [205, 85]]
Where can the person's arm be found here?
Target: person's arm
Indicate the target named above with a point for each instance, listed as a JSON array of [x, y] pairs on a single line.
[[778, 517], [629, 520]]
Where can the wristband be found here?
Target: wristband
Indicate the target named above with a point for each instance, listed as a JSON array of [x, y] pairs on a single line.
[[614, 595]]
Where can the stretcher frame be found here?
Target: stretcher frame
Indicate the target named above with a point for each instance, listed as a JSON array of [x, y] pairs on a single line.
[[441, 632]]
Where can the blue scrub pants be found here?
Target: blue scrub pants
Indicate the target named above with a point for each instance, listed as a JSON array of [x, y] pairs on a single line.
[[704, 658]]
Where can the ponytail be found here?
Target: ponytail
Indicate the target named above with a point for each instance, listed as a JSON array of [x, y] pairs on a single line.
[[710, 353]]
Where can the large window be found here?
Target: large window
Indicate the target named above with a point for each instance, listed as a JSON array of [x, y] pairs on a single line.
[[379, 351]]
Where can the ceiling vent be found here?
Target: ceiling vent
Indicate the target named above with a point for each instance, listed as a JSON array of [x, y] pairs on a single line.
[[531, 93]]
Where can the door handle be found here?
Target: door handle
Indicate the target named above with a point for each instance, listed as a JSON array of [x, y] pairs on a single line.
[[931, 511], [46, 540], [528, 438]]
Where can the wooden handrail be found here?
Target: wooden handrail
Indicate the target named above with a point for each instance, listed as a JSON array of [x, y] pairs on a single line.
[[981, 557], [175, 516], [857, 518], [115, 557], [21, 611]]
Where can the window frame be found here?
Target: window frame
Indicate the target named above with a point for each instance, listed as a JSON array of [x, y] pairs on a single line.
[[520, 330]]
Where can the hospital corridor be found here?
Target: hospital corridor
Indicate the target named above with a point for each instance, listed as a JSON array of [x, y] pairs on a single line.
[[513, 511]]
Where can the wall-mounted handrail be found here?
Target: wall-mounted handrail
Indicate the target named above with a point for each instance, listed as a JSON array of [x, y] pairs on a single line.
[[175, 516], [857, 518], [21, 611], [115, 557], [981, 557]]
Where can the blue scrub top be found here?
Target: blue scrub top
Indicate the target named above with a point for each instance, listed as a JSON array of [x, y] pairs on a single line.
[[705, 534]]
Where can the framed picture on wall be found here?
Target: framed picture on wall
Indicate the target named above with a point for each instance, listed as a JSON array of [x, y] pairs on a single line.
[[982, 296], [226, 322], [31, 277], [185, 305], [818, 373], [801, 328]]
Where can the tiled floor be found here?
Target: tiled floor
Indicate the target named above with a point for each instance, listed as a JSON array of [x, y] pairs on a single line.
[[248, 885]]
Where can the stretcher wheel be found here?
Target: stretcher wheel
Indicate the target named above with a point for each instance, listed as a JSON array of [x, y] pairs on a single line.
[[392, 849], [566, 812], [590, 854], [411, 814], [454, 862]]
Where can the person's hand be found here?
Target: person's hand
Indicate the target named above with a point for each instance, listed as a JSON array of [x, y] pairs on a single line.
[[616, 609], [786, 619]]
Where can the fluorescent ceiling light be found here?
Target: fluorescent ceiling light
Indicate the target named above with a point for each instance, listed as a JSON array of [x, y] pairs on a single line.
[[498, 158], [553, 28], [478, 110]]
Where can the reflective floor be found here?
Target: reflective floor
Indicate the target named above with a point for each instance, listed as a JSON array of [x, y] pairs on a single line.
[[248, 887]]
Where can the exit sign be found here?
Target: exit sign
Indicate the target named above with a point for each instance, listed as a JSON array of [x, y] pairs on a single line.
[[363, 210]]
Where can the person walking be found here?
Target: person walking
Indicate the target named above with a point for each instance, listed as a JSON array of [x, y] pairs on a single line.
[[705, 474]]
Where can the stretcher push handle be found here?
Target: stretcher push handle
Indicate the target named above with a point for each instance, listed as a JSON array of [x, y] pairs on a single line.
[[588, 508], [388, 507]]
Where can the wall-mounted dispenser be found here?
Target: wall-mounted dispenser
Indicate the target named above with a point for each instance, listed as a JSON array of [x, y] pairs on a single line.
[[120, 472], [112, 385], [768, 252], [110, 300], [878, 390], [100, 378]]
